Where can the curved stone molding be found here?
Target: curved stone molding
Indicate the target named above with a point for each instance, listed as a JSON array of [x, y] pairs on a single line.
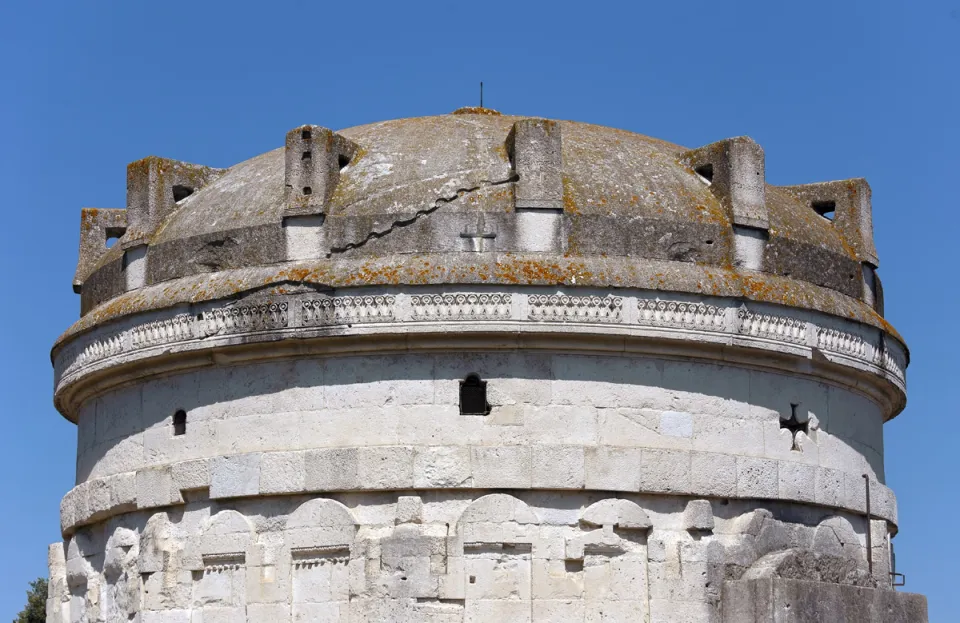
[[724, 321], [652, 471]]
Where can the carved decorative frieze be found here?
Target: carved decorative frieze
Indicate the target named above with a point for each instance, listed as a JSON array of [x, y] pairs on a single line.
[[307, 557], [460, 306], [244, 318], [174, 329], [893, 360], [771, 327], [840, 342], [564, 308], [97, 348], [348, 310], [681, 314], [100, 349], [218, 563]]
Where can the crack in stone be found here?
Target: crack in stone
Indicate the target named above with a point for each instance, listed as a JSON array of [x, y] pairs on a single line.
[[437, 204]]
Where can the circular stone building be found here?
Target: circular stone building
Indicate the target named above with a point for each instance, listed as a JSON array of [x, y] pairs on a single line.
[[476, 368]]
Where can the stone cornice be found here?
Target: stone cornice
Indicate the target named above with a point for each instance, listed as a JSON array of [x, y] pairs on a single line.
[[272, 325], [479, 270]]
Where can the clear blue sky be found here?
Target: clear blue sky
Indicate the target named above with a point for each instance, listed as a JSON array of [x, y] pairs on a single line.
[[830, 90]]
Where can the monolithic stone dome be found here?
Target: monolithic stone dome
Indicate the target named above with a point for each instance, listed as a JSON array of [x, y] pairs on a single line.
[[403, 200], [479, 367]]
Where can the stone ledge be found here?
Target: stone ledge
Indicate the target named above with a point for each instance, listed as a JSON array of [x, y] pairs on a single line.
[[546, 467]]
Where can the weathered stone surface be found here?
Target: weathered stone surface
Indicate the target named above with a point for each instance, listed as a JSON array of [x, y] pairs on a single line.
[[746, 601], [475, 368]]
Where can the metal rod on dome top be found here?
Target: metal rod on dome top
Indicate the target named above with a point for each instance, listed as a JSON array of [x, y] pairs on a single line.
[[481, 94], [866, 480]]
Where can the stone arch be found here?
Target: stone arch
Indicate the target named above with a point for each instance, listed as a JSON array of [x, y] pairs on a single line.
[[608, 561], [496, 509], [226, 543], [320, 522], [616, 513], [835, 536], [319, 536], [496, 534]]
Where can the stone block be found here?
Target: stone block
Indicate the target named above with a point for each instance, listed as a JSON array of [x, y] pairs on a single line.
[[282, 472], [757, 478], [331, 469], [797, 481], [68, 510], [267, 613], [535, 148], [98, 497], [191, 475], [258, 433], [720, 392], [829, 487], [123, 489], [557, 610], [557, 424], [698, 515], [625, 426], [385, 467], [713, 474], [437, 425], [557, 467], [728, 435], [676, 424], [883, 502], [155, 487], [665, 471], [442, 467], [348, 427], [234, 476], [612, 469], [501, 467], [409, 509]]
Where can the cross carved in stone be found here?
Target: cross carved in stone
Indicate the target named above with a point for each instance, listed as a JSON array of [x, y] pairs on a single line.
[[795, 427], [476, 240]]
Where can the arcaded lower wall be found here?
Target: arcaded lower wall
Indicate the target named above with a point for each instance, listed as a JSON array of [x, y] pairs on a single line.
[[446, 556]]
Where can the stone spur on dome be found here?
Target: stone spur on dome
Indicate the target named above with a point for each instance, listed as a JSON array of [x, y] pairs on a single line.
[[479, 367]]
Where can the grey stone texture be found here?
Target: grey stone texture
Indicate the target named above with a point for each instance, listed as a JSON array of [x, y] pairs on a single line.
[[685, 373], [381, 201]]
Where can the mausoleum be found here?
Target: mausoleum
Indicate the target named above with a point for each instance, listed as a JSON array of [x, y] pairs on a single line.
[[479, 368]]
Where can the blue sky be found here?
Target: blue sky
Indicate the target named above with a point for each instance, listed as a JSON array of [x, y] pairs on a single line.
[[830, 90]]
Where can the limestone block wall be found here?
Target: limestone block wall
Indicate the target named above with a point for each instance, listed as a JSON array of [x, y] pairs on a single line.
[[556, 421]]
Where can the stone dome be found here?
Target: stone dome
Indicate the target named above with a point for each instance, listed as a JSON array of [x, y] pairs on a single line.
[[413, 198]]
